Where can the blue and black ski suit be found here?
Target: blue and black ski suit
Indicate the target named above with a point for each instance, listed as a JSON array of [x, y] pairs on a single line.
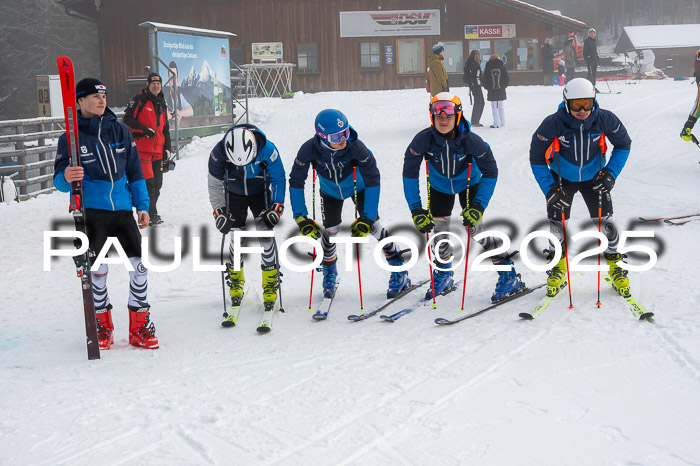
[[335, 174], [578, 160]]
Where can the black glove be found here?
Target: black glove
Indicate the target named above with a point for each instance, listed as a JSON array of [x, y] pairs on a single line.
[[423, 220], [361, 227], [168, 164], [271, 216], [224, 221], [149, 133], [557, 199], [603, 181]]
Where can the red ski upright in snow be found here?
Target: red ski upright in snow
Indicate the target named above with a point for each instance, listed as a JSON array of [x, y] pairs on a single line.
[[76, 208]]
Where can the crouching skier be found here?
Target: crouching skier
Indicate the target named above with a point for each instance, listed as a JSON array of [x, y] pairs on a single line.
[[113, 185], [238, 183], [334, 152], [450, 147]]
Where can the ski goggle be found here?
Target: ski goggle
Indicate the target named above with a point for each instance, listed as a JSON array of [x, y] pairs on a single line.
[[335, 138], [443, 106], [576, 105]]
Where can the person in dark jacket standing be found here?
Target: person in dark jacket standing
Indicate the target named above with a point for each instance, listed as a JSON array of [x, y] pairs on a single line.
[[472, 78], [113, 185], [495, 80], [146, 117], [590, 54], [547, 61], [567, 156]]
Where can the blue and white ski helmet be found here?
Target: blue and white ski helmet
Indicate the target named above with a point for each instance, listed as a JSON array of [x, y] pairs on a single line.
[[330, 121]]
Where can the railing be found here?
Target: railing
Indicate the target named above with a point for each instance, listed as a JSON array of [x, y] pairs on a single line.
[[28, 148]]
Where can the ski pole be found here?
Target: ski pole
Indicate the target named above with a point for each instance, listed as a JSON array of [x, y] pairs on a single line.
[[427, 237], [563, 225], [313, 255], [274, 239], [357, 245], [223, 243], [603, 150], [469, 237]]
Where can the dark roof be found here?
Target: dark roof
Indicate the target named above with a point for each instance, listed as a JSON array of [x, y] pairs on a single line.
[[556, 19]]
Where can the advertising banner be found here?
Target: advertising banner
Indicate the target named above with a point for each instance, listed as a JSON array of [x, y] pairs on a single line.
[[202, 83], [389, 23]]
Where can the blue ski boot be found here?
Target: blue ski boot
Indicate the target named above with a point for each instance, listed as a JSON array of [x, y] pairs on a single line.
[[398, 281], [330, 273], [509, 282], [443, 281]]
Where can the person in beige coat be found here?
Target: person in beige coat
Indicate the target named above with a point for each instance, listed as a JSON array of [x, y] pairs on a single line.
[[438, 74]]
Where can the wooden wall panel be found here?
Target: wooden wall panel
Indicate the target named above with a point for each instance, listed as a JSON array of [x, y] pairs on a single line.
[[125, 45]]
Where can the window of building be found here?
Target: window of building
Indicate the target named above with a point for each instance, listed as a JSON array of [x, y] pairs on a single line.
[[307, 58], [237, 55], [504, 49], [454, 62], [411, 56], [369, 55], [484, 48], [528, 55]]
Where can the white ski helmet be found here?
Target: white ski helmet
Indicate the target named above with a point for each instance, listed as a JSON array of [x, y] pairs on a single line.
[[240, 145], [578, 88]]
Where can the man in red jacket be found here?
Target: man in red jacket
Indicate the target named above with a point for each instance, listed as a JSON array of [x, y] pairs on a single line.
[[147, 118]]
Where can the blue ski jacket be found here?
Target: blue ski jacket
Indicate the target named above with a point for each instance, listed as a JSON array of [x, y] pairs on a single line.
[[335, 173], [579, 146], [113, 178], [249, 179], [448, 161]]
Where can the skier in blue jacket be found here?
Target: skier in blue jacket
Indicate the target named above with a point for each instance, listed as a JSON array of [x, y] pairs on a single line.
[[450, 148], [246, 173], [574, 140], [113, 185], [334, 152]]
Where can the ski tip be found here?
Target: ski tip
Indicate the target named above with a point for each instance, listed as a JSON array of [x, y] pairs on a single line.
[[386, 318], [441, 321], [648, 316], [227, 324], [264, 329], [526, 316]]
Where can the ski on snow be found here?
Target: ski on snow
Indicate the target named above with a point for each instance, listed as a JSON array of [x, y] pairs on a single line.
[[634, 306], [381, 307], [546, 301], [77, 206], [659, 219], [526, 291], [231, 316], [680, 222], [325, 307], [266, 321]]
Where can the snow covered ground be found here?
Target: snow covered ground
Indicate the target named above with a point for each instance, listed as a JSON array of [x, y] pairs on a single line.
[[582, 386]]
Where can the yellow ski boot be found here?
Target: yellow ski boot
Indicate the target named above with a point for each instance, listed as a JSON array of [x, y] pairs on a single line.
[[618, 274]]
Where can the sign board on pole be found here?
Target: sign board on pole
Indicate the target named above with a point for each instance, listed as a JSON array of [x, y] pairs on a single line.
[[48, 90], [267, 51]]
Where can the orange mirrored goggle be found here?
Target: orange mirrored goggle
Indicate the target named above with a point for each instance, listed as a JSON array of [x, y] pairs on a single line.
[[576, 105]]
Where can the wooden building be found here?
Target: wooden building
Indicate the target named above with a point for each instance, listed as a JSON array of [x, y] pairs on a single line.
[[674, 45], [337, 44]]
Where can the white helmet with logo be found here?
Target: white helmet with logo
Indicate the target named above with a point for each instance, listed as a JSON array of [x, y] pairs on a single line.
[[240, 145], [578, 88]]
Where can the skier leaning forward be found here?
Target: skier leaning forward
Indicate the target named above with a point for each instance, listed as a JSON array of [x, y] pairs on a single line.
[[113, 185], [334, 153], [579, 128], [450, 148], [246, 173]]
